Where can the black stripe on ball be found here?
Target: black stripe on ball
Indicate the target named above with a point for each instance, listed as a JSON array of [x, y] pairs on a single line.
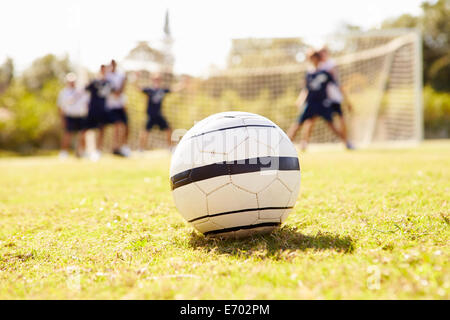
[[238, 211], [248, 227], [235, 127], [233, 167]]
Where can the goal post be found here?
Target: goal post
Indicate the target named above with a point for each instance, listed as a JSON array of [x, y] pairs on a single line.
[[393, 113], [381, 72]]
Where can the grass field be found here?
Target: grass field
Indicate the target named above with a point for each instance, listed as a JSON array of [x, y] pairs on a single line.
[[368, 224]]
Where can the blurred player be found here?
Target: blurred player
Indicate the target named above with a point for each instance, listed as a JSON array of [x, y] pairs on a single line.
[[73, 106], [156, 95], [335, 92], [115, 104], [317, 103], [97, 118]]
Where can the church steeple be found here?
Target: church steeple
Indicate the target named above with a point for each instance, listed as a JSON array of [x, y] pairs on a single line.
[[167, 42], [166, 25], [157, 57]]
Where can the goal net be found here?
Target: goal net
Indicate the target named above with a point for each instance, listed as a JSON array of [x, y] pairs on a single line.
[[380, 72]]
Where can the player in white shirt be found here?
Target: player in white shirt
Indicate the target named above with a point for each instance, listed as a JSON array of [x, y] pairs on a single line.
[[335, 92], [73, 108], [115, 105]]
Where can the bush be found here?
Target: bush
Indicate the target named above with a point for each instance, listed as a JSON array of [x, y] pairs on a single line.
[[34, 122], [436, 113]]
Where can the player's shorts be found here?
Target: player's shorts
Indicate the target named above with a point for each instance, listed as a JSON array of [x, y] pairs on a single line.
[[312, 111], [117, 116], [74, 124], [336, 108], [158, 120], [96, 119]]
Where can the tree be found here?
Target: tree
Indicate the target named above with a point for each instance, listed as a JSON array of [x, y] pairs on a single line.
[[29, 101], [403, 21], [435, 26], [44, 69], [6, 74], [436, 29], [251, 53]]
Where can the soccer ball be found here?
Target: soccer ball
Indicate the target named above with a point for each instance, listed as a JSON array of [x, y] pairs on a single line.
[[235, 174]]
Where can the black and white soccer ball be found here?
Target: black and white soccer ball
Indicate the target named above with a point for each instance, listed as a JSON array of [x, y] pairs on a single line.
[[235, 174]]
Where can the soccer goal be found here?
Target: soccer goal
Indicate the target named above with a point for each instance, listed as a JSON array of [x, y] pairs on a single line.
[[379, 70]]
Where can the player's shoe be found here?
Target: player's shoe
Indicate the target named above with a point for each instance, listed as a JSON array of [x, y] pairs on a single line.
[[349, 146], [118, 153], [125, 150], [63, 154], [95, 155]]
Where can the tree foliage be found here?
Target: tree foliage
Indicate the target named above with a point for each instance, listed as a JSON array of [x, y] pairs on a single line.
[[30, 102], [251, 53], [44, 69], [434, 23], [6, 74], [34, 121]]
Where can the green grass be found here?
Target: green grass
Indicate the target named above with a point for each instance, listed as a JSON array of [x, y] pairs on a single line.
[[370, 224]]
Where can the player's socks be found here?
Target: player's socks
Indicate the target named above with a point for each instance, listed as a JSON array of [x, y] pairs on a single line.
[[303, 145], [80, 154]]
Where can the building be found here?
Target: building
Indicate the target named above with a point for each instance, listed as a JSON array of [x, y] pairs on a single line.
[[152, 56]]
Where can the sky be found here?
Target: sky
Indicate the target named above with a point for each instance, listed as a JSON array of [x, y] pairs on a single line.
[[94, 31]]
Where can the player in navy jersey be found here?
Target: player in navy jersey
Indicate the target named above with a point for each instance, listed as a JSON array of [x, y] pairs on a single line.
[[335, 92], [97, 118], [316, 101], [116, 108], [156, 95]]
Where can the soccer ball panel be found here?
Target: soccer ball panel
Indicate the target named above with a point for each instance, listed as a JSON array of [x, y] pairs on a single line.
[[236, 219], [184, 153], [206, 158], [221, 141], [285, 215], [290, 178], [271, 214], [190, 201], [197, 128], [257, 121], [234, 137], [254, 181], [230, 198], [275, 195], [212, 120], [282, 133], [264, 135], [250, 149], [222, 124], [294, 195], [286, 149], [206, 226], [211, 184]]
